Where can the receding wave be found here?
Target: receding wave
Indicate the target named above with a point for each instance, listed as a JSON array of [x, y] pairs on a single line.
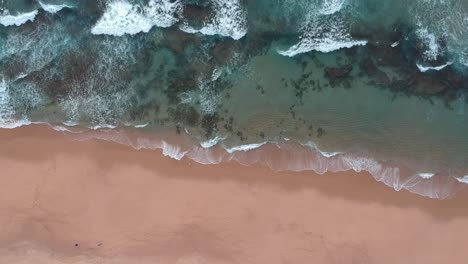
[[284, 156]]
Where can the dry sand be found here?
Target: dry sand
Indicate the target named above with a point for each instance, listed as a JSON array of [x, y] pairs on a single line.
[[96, 202]]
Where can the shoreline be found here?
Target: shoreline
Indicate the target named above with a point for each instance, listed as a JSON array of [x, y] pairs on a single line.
[[132, 206]]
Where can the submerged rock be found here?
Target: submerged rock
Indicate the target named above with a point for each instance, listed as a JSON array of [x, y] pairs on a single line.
[[371, 70], [338, 72], [196, 15], [338, 75]]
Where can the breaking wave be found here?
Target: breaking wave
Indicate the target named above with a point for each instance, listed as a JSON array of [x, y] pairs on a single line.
[[324, 33], [7, 19], [51, 8], [122, 17], [433, 68]]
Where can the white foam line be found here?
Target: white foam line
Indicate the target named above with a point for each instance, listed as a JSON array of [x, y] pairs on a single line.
[[141, 126], [244, 148], [326, 154], [435, 68], [426, 175], [97, 127], [50, 8], [322, 45]]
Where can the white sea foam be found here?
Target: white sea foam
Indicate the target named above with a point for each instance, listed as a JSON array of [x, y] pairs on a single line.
[[141, 126], [229, 20], [327, 154], [212, 142], [103, 126], [244, 148], [121, 17], [426, 175], [463, 179], [331, 6], [323, 35], [7, 19], [430, 41], [433, 68], [51, 8], [7, 113], [395, 44]]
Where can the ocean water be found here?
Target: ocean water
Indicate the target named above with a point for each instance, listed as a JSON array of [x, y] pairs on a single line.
[[319, 85]]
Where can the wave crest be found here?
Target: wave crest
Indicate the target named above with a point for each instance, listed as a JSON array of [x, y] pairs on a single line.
[[121, 17], [7, 19], [323, 34]]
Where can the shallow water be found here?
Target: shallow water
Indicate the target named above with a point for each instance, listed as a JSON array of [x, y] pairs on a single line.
[[327, 82]]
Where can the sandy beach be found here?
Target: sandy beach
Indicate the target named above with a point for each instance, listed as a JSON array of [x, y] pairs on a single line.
[[63, 201]]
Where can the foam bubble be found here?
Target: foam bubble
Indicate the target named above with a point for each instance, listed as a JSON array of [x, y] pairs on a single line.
[[10, 20], [121, 17]]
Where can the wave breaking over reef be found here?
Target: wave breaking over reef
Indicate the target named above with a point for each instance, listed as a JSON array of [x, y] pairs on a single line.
[[121, 17], [7, 19], [325, 30]]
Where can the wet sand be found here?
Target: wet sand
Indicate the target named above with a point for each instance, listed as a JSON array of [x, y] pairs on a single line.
[[63, 201]]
